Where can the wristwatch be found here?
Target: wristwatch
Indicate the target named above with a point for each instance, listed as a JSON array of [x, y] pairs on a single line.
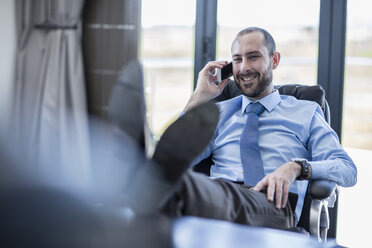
[[305, 168]]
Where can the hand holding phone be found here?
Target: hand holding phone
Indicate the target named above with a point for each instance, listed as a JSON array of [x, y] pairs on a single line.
[[225, 72]]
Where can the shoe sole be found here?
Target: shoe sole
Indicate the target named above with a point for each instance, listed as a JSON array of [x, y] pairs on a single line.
[[185, 139]]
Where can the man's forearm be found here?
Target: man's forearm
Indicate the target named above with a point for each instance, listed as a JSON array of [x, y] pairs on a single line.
[[342, 171]]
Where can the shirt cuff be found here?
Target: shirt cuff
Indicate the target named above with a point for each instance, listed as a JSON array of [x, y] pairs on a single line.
[[319, 169]]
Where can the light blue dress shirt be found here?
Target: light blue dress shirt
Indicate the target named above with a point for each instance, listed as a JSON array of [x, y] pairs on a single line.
[[288, 128]]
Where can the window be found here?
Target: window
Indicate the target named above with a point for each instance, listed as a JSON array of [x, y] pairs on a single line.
[[295, 30], [167, 54], [353, 214], [357, 114]]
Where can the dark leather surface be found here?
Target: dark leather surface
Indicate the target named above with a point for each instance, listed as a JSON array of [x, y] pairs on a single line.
[[321, 189]]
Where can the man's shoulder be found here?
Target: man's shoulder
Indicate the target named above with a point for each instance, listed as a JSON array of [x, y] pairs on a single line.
[[228, 102], [293, 102], [231, 104], [293, 107]]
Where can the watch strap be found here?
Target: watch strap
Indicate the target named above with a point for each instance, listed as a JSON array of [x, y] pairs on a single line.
[[305, 169]]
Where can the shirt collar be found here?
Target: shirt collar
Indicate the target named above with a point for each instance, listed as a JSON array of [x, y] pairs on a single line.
[[269, 102]]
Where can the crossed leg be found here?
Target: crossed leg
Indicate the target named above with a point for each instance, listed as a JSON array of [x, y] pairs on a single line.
[[198, 195]]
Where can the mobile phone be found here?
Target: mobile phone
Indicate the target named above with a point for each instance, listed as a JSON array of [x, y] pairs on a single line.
[[225, 72]]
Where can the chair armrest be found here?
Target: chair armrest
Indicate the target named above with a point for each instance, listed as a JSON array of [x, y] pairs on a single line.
[[321, 189], [323, 194]]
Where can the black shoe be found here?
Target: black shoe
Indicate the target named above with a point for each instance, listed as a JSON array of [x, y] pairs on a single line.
[[127, 104], [185, 139]]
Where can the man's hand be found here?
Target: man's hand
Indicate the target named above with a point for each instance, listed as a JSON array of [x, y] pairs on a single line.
[[206, 89], [278, 183]]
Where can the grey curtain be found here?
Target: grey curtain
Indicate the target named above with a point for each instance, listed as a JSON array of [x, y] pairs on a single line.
[[49, 114]]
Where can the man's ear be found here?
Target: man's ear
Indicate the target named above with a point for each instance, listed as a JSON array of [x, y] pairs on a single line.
[[276, 60]]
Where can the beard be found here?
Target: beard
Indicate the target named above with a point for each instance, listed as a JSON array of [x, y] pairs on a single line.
[[264, 80]]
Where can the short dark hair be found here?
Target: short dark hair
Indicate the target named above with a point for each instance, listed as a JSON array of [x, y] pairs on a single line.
[[269, 40]]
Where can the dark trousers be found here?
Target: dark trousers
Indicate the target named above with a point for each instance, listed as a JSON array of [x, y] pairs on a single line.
[[199, 195]]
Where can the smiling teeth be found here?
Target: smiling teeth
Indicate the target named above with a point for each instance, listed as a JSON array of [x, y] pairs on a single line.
[[248, 78]]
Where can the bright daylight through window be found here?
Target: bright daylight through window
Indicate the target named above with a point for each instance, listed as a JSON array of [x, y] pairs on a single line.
[[167, 53]]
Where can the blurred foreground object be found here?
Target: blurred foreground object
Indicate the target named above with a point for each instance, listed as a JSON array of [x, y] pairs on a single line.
[[43, 204]]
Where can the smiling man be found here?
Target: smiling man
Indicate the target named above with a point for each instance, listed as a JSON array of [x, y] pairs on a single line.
[[295, 143]]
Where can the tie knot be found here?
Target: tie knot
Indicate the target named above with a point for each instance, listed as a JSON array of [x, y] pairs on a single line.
[[255, 107]]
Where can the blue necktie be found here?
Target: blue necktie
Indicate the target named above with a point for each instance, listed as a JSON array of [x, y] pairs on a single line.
[[249, 149]]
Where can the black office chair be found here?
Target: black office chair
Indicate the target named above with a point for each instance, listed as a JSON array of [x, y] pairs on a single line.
[[321, 194]]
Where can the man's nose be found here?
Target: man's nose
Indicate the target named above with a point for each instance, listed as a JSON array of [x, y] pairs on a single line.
[[245, 66]]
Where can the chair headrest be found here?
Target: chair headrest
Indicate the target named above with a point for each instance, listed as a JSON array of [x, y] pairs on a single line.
[[304, 92]]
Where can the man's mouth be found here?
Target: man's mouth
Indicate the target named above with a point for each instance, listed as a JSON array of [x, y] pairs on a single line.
[[248, 78]]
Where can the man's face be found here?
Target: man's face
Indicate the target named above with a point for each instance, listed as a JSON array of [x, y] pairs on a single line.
[[252, 65]]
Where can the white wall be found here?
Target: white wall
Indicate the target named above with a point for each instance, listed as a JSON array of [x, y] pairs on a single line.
[[7, 57]]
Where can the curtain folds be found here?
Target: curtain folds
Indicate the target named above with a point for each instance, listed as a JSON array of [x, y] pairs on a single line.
[[50, 113]]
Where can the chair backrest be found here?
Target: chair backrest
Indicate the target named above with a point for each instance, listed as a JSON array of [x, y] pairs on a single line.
[[302, 92]]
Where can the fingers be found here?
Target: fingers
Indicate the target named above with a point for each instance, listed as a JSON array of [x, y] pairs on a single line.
[[211, 66], [207, 75], [260, 185], [277, 190], [278, 194], [285, 195], [223, 83], [281, 194]]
